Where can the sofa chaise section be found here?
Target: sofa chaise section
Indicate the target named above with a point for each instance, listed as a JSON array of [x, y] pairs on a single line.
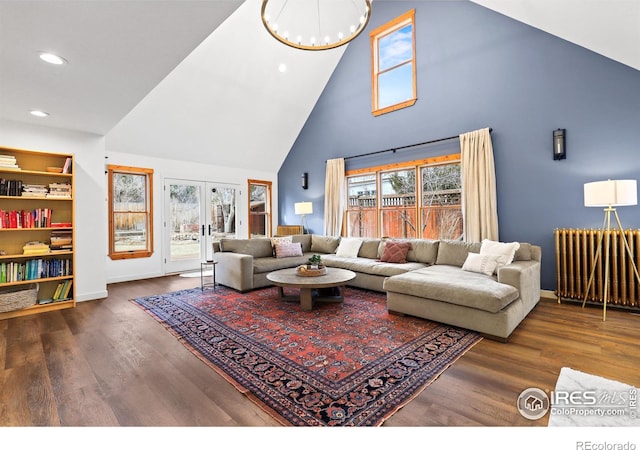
[[493, 305]]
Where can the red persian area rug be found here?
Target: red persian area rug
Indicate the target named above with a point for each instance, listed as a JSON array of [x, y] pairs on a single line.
[[341, 364]]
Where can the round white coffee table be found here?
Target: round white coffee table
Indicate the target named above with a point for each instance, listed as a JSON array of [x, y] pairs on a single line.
[[334, 278]]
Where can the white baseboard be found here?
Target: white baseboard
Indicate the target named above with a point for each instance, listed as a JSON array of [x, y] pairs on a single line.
[[92, 296]]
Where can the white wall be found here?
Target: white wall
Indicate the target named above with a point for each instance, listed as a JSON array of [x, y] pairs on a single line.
[[91, 216], [138, 268], [94, 269]]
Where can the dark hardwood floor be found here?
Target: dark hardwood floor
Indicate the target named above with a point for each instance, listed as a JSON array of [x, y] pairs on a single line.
[[107, 363]]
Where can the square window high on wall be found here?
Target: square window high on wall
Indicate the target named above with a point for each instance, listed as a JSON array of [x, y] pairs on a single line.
[[393, 64]]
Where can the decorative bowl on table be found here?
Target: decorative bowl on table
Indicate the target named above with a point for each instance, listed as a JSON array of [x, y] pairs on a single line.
[[306, 270]]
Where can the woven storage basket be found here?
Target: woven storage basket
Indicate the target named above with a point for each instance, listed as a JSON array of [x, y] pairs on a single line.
[[18, 297], [311, 272]]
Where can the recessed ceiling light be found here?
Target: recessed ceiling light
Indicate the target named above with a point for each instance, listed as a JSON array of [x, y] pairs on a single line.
[[38, 113], [52, 59], [282, 67]]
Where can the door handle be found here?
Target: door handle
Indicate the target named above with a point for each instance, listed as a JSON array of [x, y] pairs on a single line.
[[203, 229], [209, 229]]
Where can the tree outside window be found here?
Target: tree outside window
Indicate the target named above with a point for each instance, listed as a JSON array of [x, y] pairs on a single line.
[[130, 212], [402, 207]]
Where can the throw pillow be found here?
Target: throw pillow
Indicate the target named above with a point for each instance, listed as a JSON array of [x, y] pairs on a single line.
[[505, 250], [280, 240], [454, 253], [476, 262], [324, 244], [349, 247], [395, 252], [288, 249]]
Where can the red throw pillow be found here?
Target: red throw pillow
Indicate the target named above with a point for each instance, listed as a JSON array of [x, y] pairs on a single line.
[[396, 252]]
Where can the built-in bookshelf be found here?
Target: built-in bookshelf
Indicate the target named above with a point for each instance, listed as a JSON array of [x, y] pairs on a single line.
[[37, 259]]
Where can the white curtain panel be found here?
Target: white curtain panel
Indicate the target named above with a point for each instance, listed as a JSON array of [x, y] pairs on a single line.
[[334, 198], [479, 204]]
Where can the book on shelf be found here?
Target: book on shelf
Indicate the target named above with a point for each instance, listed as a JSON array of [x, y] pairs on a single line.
[[35, 248], [8, 162], [61, 240], [37, 218], [67, 290], [67, 166], [34, 190], [59, 190], [56, 294], [63, 290], [11, 188], [61, 225]]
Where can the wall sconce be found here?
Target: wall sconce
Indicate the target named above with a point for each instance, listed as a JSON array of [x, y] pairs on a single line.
[[559, 150], [305, 180]]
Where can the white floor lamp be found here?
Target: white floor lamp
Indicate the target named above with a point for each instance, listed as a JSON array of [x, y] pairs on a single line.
[[608, 194], [302, 209]]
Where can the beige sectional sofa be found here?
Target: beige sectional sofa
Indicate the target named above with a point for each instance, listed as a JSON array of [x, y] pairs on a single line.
[[434, 283]]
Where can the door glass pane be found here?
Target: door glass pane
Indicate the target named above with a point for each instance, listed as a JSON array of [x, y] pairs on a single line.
[[223, 212], [184, 214]]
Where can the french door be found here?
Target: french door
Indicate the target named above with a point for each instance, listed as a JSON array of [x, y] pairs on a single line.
[[196, 214]]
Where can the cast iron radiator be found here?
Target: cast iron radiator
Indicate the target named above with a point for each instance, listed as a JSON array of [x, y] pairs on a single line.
[[575, 252]]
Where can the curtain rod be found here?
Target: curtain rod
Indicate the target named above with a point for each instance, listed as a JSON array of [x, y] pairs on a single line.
[[406, 146]]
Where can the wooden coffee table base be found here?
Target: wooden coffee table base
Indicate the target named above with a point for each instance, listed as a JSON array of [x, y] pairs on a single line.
[[323, 288], [310, 295]]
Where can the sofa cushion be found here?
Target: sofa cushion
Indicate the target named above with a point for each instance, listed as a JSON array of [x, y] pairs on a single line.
[[348, 247], [504, 250], [258, 247], [370, 266], [288, 249], [450, 284], [523, 253], [369, 248], [478, 263], [396, 252], [423, 250], [454, 253], [305, 241], [269, 264], [324, 244]]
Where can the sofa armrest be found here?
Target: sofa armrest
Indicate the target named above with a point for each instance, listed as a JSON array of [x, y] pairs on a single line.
[[525, 277], [234, 270]]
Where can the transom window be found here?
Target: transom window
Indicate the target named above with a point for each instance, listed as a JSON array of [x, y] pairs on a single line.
[[393, 65], [417, 199]]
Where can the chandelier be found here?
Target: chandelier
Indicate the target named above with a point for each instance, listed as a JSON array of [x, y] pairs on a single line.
[[315, 24]]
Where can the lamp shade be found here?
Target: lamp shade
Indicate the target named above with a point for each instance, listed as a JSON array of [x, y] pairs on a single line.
[[303, 208], [611, 193]]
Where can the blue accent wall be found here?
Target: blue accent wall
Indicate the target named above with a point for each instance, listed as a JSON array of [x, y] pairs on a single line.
[[477, 68]]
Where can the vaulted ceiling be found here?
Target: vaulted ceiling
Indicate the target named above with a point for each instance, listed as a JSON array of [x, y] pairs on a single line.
[[199, 80]]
